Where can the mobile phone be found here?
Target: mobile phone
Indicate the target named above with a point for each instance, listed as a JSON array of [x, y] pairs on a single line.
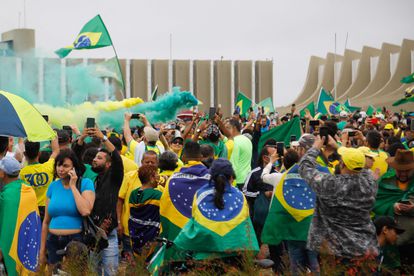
[[412, 125], [405, 201], [324, 132], [211, 113], [351, 133], [280, 146], [90, 122], [136, 116], [314, 122], [292, 138], [46, 117], [68, 129]]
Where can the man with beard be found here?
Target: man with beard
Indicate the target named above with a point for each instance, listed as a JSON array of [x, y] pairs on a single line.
[[108, 165]]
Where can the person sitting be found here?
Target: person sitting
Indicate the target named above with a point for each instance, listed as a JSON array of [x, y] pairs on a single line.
[[66, 204], [220, 225], [144, 219]]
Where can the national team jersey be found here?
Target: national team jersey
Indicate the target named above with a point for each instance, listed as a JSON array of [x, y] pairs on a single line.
[[39, 176]]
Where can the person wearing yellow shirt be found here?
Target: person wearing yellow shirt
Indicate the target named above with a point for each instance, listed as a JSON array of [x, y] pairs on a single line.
[[373, 141], [130, 183], [129, 165], [37, 175]]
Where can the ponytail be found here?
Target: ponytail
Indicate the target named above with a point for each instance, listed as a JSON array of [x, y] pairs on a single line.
[[219, 184]]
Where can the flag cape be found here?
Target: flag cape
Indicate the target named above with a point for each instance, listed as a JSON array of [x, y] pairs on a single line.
[[156, 262], [20, 231], [408, 97], [93, 35], [108, 69], [243, 103], [370, 110], [213, 232], [388, 194], [176, 200], [291, 210], [408, 79], [267, 105], [282, 133], [324, 96], [310, 107]]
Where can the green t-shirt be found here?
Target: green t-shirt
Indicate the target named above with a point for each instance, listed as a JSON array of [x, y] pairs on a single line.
[[241, 157]]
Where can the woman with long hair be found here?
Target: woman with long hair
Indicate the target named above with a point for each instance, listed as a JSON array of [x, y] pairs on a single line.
[[220, 226], [67, 202]]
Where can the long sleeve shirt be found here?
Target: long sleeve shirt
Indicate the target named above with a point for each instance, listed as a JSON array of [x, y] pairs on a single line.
[[342, 212], [269, 177]]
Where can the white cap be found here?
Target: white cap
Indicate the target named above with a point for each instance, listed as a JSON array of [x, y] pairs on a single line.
[[343, 114], [363, 114]]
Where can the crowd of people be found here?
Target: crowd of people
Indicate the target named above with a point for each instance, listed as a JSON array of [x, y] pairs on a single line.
[[205, 187]]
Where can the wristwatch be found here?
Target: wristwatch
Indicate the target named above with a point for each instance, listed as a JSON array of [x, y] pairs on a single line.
[[105, 138]]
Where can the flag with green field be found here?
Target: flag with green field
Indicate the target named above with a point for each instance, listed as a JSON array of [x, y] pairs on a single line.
[[93, 35], [325, 99], [243, 103], [282, 133], [310, 107], [408, 79]]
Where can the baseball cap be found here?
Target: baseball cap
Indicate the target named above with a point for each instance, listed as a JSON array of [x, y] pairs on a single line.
[[63, 136], [382, 221], [10, 166], [353, 159], [177, 135], [151, 134], [343, 114], [367, 152], [388, 127]]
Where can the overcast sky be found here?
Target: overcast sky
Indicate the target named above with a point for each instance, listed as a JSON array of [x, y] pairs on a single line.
[[288, 31]]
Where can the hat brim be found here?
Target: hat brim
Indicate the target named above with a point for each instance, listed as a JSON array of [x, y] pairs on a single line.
[[402, 167], [399, 230]]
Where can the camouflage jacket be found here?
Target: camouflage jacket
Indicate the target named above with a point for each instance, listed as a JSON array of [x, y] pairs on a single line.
[[342, 213]]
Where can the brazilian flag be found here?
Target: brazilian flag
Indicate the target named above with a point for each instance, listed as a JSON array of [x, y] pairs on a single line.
[[243, 103], [282, 133], [20, 231], [408, 97], [217, 233], [408, 79], [310, 107], [325, 99], [93, 35], [292, 209]]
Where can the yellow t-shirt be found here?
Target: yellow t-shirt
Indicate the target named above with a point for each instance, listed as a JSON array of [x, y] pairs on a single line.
[[230, 145], [130, 183], [39, 176], [129, 165], [379, 161]]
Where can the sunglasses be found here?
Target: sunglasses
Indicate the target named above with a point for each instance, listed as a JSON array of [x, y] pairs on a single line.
[[177, 142]]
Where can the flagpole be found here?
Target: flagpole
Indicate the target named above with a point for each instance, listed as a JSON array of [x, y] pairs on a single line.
[[334, 69], [117, 59]]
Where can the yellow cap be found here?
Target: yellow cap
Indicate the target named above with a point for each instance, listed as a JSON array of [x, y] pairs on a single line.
[[388, 126], [353, 159], [367, 152]]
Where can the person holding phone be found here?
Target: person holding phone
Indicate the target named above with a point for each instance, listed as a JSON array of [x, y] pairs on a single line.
[[66, 204]]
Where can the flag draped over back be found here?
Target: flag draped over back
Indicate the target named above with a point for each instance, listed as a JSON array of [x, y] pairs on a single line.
[[310, 107], [93, 35], [408, 79], [213, 232], [292, 206], [325, 99], [243, 103], [177, 198], [20, 231], [282, 133]]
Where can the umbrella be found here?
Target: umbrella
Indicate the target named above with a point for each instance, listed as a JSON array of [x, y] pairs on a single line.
[[19, 118]]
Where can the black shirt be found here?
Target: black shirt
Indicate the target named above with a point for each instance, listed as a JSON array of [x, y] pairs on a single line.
[[107, 186]]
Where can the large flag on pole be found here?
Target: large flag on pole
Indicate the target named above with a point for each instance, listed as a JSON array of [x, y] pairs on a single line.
[[370, 110], [325, 99], [243, 103], [93, 35], [20, 231], [408, 79]]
